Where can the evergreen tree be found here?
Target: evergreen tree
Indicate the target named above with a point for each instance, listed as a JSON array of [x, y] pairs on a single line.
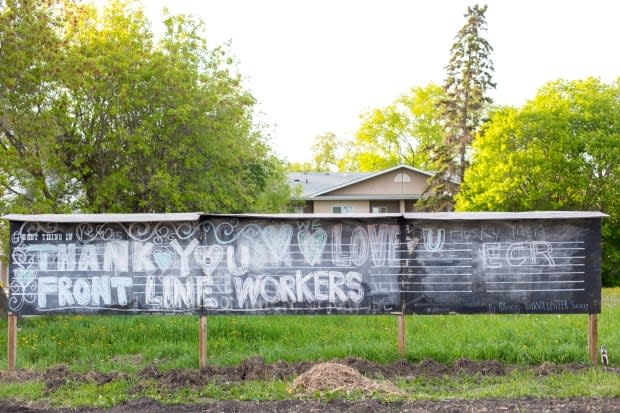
[[468, 79]]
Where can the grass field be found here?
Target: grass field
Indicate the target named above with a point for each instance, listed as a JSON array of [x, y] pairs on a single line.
[[105, 344]]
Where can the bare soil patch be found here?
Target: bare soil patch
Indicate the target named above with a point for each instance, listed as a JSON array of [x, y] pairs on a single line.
[[346, 375], [257, 369], [607, 405]]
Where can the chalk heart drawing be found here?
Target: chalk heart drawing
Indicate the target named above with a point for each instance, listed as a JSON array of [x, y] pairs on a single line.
[[208, 257], [312, 244], [163, 257], [25, 276], [277, 238]]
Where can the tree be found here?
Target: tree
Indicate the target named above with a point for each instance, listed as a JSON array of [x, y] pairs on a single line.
[[32, 177], [324, 152], [133, 124], [468, 78], [560, 151], [400, 133]]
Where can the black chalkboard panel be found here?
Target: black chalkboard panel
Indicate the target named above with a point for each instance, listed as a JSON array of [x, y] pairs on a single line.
[[313, 265], [100, 267], [514, 266], [309, 264]]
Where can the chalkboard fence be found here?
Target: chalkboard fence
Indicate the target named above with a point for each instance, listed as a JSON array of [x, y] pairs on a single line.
[[207, 264]]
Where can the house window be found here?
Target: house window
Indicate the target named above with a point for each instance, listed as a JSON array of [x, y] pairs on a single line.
[[379, 210], [342, 209]]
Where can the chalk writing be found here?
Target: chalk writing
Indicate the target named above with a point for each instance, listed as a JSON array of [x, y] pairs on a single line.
[[232, 264], [312, 244], [496, 255], [278, 240], [548, 306]]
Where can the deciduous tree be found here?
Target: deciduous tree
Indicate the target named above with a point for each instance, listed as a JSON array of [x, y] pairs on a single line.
[[32, 174], [400, 133], [560, 151], [98, 116], [325, 152]]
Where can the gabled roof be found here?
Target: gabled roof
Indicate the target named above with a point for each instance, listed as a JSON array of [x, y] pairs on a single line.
[[315, 184]]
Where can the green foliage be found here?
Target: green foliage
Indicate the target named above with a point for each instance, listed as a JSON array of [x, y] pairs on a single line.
[[299, 166], [32, 177], [468, 78], [560, 151], [324, 152], [400, 133], [107, 119]]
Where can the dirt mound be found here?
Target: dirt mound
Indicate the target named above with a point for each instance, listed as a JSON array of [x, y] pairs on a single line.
[[22, 375], [335, 377], [257, 369], [253, 368], [484, 368], [546, 369], [60, 375], [427, 368], [431, 368]]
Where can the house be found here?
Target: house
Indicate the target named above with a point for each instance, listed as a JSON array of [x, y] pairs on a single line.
[[392, 190]]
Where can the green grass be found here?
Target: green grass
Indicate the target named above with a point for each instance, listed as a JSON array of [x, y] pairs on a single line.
[[105, 343], [129, 343], [91, 394], [519, 383]]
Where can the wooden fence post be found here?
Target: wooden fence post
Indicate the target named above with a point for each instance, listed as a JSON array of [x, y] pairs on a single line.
[[202, 341], [401, 334], [593, 338], [12, 342]]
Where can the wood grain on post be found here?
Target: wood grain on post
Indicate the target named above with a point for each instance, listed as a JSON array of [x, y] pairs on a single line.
[[593, 338], [202, 341], [12, 342]]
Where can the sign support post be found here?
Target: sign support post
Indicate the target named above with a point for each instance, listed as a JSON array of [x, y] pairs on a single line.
[[12, 342], [202, 341], [403, 264], [593, 338], [401, 334]]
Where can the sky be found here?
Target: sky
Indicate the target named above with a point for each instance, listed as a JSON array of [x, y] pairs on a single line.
[[316, 65]]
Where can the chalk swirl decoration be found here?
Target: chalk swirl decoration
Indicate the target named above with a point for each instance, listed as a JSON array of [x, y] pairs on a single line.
[[22, 288], [159, 233], [228, 232]]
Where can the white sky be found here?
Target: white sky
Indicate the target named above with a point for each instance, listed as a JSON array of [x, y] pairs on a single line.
[[316, 65]]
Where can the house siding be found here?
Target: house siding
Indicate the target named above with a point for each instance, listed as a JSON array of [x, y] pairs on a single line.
[[326, 206], [393, 207], [385, 185]]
